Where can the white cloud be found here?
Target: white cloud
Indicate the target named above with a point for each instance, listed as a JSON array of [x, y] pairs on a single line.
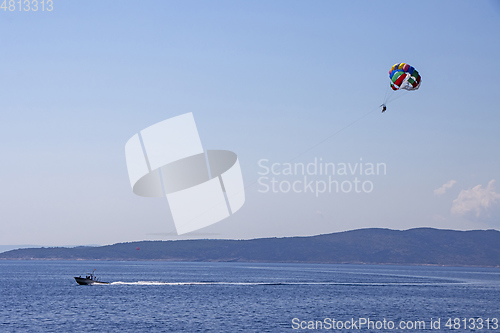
[[442, 189], [476, 200]]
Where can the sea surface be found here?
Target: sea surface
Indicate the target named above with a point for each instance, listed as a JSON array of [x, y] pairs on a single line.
[[42, 296]]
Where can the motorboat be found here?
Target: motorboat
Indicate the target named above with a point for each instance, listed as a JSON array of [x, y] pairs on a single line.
[[89, 279]]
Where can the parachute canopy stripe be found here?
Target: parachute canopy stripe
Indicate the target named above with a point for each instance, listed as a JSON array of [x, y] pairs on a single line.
[[416, 75], [396, 76], [395, 67], [400, 79]]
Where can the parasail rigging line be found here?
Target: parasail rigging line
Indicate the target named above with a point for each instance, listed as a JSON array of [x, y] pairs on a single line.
[[305, 151], [391, 97]]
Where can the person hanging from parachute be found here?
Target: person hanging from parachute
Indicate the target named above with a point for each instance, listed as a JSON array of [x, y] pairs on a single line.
[[403, 76]]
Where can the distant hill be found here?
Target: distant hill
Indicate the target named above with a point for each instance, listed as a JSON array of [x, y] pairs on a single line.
[[4, 248], [421, 246]]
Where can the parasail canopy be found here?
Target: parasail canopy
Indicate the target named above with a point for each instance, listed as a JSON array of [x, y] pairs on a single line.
[[404, 76]]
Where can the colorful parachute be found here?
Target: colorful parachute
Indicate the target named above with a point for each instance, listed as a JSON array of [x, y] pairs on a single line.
[[404, 76]]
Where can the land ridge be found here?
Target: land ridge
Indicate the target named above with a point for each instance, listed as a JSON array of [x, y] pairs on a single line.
[[418, 246]]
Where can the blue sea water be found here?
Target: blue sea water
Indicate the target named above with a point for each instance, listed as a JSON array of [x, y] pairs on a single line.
[[42, 296]]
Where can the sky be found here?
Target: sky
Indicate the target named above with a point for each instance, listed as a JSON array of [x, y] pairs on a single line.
[[273, 81]]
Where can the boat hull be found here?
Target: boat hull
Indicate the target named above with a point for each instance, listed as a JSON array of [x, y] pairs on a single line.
[[87, 282]]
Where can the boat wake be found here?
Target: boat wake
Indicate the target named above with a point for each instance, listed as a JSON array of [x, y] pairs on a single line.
[[158, 283]]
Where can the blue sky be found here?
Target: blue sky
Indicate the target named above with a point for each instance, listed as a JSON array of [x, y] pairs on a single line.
[[265, 79]]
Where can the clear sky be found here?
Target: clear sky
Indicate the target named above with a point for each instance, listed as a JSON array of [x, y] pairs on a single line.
[[265, 79]]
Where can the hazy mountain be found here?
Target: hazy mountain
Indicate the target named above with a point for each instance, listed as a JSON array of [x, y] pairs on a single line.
[[421, 246]]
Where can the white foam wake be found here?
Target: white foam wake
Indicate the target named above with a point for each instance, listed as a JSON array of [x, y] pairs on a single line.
[[158, 283]]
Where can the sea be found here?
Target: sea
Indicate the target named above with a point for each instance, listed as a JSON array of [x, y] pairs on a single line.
[[158, 296]]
